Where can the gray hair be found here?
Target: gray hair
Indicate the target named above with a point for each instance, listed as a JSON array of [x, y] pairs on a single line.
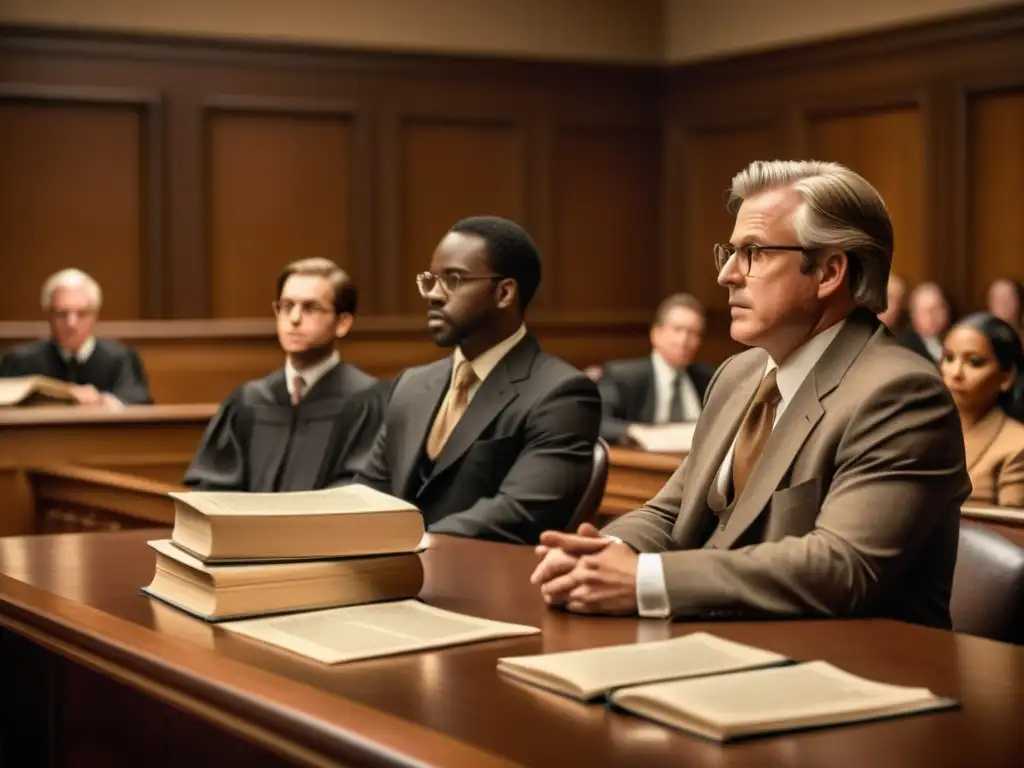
[[840, 210], [70, 278]]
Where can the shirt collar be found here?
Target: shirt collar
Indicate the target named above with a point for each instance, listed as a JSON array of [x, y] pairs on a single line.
[[795, 368], [488, 361], [309, 375], [82, 355], [662, 368]]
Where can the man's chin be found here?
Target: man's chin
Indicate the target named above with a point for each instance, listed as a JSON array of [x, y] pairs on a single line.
[[444, 338]]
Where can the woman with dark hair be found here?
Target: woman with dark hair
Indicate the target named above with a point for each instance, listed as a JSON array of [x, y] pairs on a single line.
[[981, 356]]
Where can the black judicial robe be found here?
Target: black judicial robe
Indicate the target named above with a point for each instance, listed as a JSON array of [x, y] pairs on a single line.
[[112, 367], [259, 442]]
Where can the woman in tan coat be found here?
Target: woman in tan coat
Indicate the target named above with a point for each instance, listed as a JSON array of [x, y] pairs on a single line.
[[980, 359]]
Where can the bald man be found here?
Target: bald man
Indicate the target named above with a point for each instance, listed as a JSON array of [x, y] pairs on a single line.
[[929, 321]]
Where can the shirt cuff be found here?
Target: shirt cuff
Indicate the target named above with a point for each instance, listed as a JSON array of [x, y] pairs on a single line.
[[651, 592]]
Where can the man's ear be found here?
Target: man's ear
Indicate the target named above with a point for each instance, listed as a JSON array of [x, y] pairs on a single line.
[[833, 269], [343, 325], [508, 292]]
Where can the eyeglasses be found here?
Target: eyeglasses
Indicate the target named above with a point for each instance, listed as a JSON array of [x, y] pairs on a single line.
[[750, 258], [449, 281], [285, 307]]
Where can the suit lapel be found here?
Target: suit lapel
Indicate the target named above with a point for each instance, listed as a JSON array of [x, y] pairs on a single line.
[[420, 404], [796, 424], [493, 397]]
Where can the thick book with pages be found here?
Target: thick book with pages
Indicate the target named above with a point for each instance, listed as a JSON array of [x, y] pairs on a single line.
[[369, 631], [762, 701], [35, 390], [352, 520], [663, 438], [592, 673], [218, 592]]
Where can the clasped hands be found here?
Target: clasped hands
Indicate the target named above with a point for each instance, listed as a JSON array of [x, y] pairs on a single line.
[[586, 572], [87, 394]]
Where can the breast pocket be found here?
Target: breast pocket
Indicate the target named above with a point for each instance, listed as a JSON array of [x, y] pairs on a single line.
[[794, 511]]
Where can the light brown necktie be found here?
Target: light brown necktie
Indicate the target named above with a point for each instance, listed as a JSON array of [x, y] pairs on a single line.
[[754, 432], [297, 385], [454, 405]]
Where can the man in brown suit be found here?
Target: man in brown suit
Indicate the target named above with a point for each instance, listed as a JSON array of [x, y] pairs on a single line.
[[827, 468]]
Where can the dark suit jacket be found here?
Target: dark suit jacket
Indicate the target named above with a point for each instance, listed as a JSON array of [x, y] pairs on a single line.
[[112, 367], [912, 340], [516, 464], [628, 395]]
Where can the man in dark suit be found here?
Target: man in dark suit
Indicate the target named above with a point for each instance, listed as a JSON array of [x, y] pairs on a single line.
[[929, 321], [666, 387], [496, 440], [106, 372], [309, 424]]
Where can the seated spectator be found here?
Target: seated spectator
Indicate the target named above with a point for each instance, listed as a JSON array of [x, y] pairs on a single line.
[[894, 316], [929, 320], [980, 359]]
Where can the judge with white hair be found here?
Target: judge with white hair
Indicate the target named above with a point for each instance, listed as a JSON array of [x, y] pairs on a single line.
[[104, 371]]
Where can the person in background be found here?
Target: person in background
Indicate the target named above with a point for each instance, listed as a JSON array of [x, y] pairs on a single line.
[[104, 372], [981, 356], [894, 315], [665, 387], [496, 440], [309, 424], [827, 469], [929, 320], [1006, 301]]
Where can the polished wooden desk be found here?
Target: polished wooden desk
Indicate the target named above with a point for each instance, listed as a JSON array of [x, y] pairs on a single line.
[[72, 615], [151, 441]]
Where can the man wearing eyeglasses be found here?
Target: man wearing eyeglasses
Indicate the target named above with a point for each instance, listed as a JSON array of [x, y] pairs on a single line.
[[104, 372], [309, 424], [496, 440], [827, 469]]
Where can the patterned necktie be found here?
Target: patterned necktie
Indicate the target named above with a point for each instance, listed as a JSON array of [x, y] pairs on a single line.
[[298, 384], [675, 408], [454, 405], [754, 432]]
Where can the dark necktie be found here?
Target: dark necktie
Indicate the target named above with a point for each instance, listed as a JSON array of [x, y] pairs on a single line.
[[675, 408], [754, 433], [72, 369]]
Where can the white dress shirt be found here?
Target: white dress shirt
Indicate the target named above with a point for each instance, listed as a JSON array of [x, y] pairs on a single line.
[[310, 376], [651, 591], [934, 347], [487, 362], [664, 378], [82, 355]]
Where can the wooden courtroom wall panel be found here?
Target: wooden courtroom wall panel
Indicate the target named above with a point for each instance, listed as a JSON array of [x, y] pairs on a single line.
[[451, 169], [606, 218], [995, 197], [72, 180], [280, 189], [885, 146]]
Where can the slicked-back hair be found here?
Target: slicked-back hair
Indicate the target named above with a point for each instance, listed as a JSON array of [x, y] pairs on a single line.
[[346, 296], [677, 301]]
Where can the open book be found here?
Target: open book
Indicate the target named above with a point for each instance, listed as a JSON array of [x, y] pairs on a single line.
[[368, 631], [216, 592], [223, 526], [593, 673], [761, 701], [34, 390], [663, 438]]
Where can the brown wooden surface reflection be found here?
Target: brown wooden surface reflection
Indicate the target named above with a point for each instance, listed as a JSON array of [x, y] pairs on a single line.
[[457, 692]]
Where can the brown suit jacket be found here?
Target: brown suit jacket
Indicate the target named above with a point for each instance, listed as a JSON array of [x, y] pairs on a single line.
[[854, 509], [995, 459]]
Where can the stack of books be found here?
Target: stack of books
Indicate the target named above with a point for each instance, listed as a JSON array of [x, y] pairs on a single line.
[[240, 555]]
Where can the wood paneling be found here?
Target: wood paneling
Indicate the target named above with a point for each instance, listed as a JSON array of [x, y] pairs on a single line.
[[887, 148], [606, 223], [72, 194], [450, 170], [279, 189], [995, 189]]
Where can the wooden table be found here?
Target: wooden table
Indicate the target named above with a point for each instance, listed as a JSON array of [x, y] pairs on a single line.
[[112, 659], [152, 441]]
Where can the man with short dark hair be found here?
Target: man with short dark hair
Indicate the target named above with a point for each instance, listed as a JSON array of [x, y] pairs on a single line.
[[496, 440], [309, 424], [929, 321], [665, 387]]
